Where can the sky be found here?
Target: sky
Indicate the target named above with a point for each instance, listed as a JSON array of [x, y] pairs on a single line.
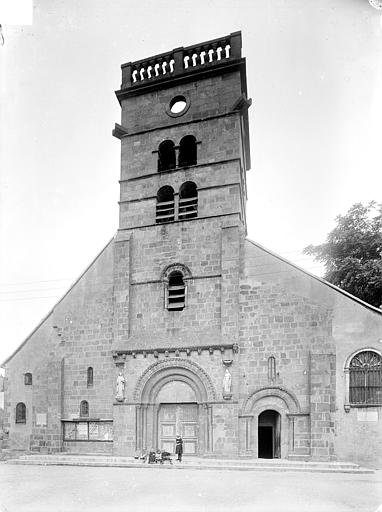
[[314, 71]]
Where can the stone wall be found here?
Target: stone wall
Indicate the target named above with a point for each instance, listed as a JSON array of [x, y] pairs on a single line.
[[209, 97], [76, 334]]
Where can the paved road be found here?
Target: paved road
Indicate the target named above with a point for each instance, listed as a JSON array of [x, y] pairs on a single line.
[[85, 489]]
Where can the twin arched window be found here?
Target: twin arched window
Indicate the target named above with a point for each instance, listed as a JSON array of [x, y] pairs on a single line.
[[184, 206], [365, 378], [167, 153], [21, 413]]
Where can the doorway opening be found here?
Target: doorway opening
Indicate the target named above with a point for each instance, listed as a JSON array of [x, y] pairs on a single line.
[[269, 435], [178, 415]]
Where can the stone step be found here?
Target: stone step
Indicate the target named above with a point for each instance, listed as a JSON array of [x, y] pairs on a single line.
[[195, 463], [190, 461]]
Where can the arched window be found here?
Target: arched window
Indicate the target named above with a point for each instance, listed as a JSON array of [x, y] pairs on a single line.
[[187, 151], [84, 409], [21, 413], [166, 156], [165, 210], [28, 379], [90, 376], [176, 292], [365, 382], [188, 201], [271, 368]]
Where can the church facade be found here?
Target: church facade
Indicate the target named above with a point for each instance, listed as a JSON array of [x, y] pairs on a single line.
[[183, 326]]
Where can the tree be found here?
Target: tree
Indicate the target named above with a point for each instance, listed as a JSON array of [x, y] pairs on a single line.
[[352, 252]]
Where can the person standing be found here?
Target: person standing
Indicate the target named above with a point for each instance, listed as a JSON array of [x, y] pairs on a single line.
[[179, 448]]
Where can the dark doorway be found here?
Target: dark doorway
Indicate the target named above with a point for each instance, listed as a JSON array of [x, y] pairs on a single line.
[[266, 442], [269, 435]]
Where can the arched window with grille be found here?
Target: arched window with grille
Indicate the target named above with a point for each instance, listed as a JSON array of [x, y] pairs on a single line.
[[84, 409], [90, 374], [176, 291], [365, 378], [166, 156], [188, 201], [28, 379], [21, 413], [187, 151], [165, 209]]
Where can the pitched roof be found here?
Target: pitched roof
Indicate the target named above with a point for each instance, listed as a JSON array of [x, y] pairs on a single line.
[[53, 308], [319, 279]]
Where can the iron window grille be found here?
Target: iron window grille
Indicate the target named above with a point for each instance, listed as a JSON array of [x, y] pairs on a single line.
[[365, 387]]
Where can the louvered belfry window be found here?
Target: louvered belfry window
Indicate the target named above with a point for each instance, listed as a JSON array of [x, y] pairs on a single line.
[[165, 209], [366, 378], [188, 201], [176, 293]]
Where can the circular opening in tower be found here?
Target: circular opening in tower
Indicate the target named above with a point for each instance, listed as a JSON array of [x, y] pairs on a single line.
[[178, 106]]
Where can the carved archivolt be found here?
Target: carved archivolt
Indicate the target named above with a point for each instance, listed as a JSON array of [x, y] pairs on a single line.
[[288, 397], [160, 371], [173, 267]]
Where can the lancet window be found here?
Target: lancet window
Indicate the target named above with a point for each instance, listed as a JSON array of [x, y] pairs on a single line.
[[84, 408], [21, 413]]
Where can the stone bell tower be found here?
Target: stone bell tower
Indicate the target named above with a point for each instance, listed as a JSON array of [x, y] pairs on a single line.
[[184, 156]]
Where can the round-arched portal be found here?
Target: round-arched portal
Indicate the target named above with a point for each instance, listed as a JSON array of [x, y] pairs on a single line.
[[269, 435], [172, 398], [273, 407]]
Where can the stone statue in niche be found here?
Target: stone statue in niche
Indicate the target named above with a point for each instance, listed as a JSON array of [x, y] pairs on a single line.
[[227, 383], [120, 388]]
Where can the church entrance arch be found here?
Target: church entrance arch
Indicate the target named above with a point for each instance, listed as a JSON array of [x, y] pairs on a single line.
[[172, 399], [265, 423]]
